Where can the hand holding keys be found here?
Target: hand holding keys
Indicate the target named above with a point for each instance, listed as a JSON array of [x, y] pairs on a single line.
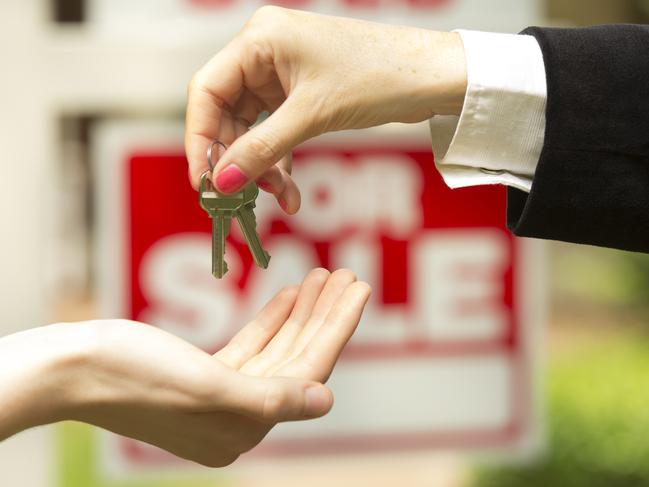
[[221, 208]]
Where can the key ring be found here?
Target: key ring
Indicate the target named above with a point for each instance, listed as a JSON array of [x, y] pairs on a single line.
[[209, 152]]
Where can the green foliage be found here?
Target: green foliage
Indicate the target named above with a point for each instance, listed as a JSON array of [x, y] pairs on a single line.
[[637, 271], [598, 421], [79, 466]]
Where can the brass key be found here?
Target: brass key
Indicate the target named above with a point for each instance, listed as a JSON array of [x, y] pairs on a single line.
[[221, 208], [248, 223]]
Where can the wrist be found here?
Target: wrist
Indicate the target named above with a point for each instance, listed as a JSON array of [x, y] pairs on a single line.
[[448, 74], [39, 369], [431, 78]]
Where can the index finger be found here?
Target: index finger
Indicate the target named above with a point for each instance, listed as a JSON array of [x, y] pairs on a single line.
[[213, 88]]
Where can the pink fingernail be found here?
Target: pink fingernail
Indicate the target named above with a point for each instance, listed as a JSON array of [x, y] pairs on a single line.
[[230, 179], [283, 204], [265, 185]]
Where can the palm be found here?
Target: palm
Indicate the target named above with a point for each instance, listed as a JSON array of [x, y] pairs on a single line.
[[301, 331], [212, 412], [298, 334]]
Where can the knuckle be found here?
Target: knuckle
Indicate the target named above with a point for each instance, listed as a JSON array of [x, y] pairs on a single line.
[[267, 12], [273, 404], [191, 84], [195, 84], [268, 21]]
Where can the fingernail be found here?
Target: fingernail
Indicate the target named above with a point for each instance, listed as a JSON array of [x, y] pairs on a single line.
[[230, 179], [282, 202], [318, 401], [265, 185]]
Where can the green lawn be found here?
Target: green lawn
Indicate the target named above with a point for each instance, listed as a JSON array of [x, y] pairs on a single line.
[[597, 419]]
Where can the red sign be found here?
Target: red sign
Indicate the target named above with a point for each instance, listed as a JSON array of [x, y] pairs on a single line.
[[420, 4], [439, 360]]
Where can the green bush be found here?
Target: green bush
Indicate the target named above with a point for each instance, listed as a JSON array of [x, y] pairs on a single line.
[[598, 421], [637, 272]]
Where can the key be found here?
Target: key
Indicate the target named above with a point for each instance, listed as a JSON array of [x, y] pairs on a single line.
[[248, 223], [220, 230], [221, 208]]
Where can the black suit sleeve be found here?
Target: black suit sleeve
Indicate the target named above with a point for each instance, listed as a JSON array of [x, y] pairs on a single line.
[[591, 184]]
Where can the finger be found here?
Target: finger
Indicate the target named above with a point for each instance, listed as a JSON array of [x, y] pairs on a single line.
[[289, 199], [248, 108], [332, 292], [280, 345], [310, 290], [264, 145], [286, 163], [319, 357], [272, 180], [214, 87], [252, 338], [275, 399], [229, 129], [279, 183]]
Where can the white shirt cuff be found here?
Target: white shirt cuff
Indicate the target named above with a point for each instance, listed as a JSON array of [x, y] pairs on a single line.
[[498, 137]]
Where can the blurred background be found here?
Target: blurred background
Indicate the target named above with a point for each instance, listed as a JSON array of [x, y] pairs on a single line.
[[544, 385]]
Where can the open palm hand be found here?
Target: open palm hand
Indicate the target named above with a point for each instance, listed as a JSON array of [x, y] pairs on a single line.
[[147, 384]]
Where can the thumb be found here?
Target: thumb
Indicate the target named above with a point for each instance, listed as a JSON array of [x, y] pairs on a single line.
[[254, 152], [277, 399]]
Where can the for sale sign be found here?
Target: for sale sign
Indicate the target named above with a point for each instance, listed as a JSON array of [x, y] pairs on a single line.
[[214, 22], [442, 357]]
